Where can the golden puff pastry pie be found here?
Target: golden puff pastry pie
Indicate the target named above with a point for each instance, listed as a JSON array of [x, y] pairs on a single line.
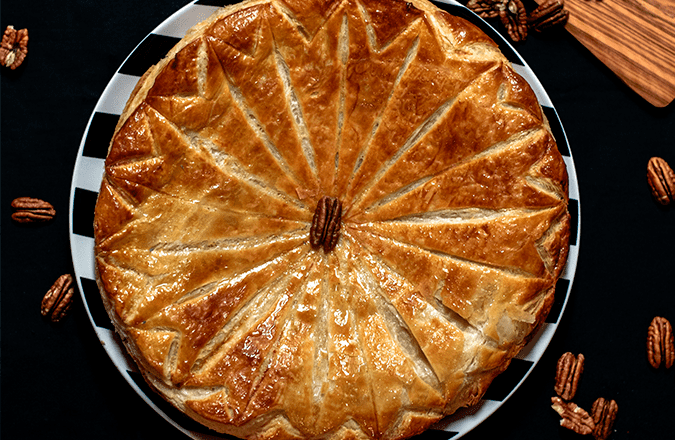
[[333, 219]]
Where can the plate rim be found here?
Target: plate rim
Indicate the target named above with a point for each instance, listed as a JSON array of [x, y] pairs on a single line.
[[465, 419]]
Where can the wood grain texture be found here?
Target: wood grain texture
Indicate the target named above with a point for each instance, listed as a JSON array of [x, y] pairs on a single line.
[[634, 38]]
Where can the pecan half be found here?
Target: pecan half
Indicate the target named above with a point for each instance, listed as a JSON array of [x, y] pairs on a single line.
[[567, 375], [661, 180], [57, 300], [660, 347], [604, 414], [31, 210], [513, 15], [485, 8], [325, 229], [14, 47], [547, 15], [573, 417]]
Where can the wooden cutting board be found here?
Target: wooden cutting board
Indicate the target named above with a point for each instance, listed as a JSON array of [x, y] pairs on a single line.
[[634, 38]]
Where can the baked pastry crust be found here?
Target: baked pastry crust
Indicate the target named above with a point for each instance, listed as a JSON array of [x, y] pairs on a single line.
[[455, 226]]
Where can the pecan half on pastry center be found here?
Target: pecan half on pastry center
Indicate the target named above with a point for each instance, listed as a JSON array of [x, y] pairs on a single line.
[[325, 229]]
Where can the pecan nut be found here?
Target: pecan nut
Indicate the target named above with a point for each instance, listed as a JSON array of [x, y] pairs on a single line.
[[485, 8], [661, 180], [325, 229], [573, 417], [604, 415], [567, 375], [660, 347], [547, 15], [14, 47], [31, 210], [513, 16], [57, 300]]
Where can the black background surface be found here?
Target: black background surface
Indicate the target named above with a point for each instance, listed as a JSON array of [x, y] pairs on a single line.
[[59, 383]]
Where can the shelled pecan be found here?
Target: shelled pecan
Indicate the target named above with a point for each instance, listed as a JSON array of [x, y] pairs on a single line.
[[547, 15], [661, 179], [567, 375], [325, 229], [14, 47], [485, 8], [57, 300], [32, 210], [513, 16], [573, 417], [660, 346], [604, 415]]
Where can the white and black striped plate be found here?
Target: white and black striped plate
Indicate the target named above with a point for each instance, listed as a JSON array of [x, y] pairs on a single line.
[[89, 171]]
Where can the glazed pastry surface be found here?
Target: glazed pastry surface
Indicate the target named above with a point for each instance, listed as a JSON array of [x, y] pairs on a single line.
[[454, 225]]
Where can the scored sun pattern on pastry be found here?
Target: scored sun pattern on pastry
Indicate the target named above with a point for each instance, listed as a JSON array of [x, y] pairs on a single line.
[[454, 224]]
